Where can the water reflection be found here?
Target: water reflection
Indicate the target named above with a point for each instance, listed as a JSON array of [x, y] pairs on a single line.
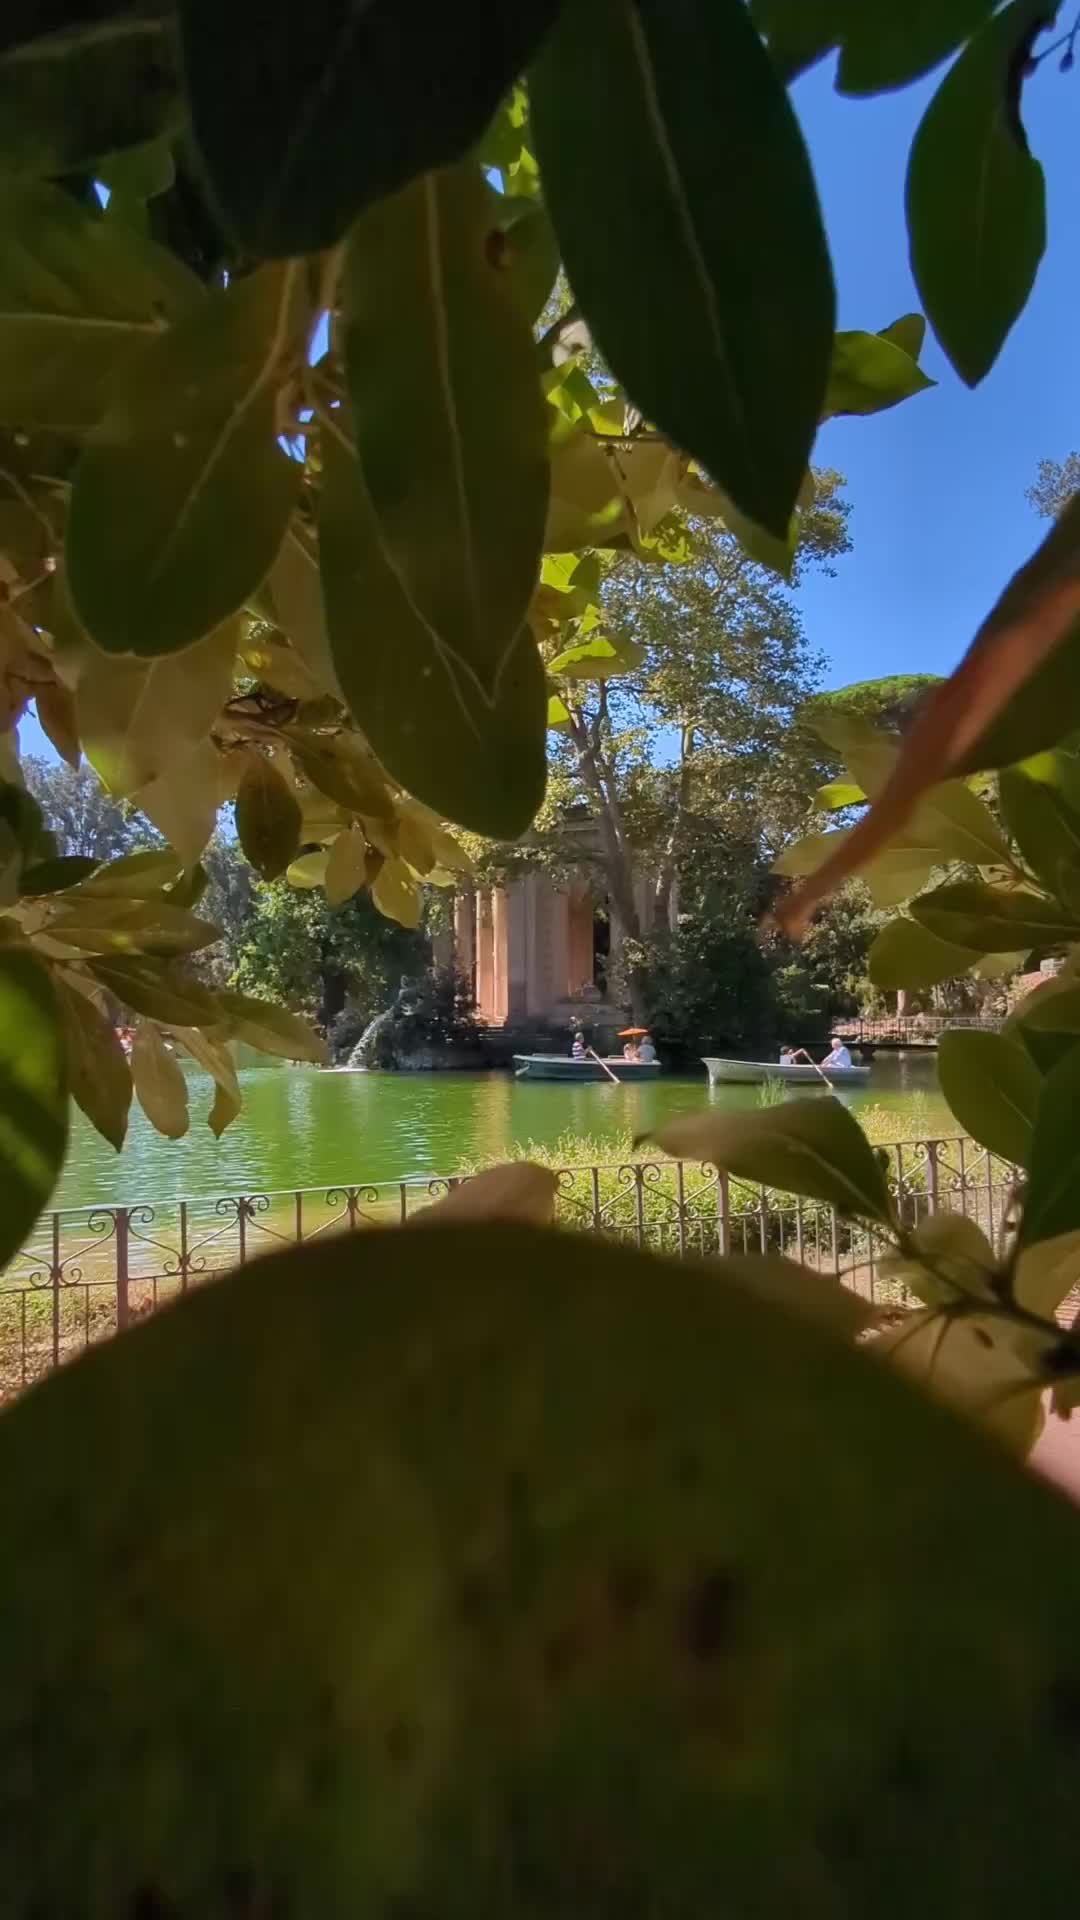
[[303, 1128]]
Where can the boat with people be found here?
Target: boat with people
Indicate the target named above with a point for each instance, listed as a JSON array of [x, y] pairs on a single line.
[[561, 1066], [800, 1073]]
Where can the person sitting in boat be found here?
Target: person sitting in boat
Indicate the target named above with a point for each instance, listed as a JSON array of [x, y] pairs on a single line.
[[646, 1052], [839, 1057], [630, 1051], [577, 1051]]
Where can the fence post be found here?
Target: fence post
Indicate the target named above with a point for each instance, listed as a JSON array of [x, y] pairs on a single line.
[[56, 1274], [123, 1305], [932, 1176]]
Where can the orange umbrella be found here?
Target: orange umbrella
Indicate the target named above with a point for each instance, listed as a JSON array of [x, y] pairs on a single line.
[[633, 1033]]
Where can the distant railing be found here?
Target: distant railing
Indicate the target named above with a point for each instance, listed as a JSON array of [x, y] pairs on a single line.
[[88, 1272], [913, 1030]]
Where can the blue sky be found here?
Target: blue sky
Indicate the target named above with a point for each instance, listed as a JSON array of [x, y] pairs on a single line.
[[940, 519]]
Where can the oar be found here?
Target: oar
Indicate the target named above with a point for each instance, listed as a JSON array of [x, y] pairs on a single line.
[[603, 1063], [820, 1071]]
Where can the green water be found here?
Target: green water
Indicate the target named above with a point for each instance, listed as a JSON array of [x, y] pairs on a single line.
[[303, 1128]]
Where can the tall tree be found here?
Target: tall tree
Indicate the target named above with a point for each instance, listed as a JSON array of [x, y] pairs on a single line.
[[84, 817], [1054, 486], [297, 949], [677, 707]]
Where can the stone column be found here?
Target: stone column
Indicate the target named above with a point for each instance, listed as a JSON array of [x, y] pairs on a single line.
[[559, 920], [500, 979], [465, 935], [580, 931], [517, 952], [485, 957]]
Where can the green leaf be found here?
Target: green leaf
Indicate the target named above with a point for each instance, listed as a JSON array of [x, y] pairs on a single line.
[[896, 874], [57, 720], [134, 876], [532, 254], [160, 1087], [271, 1029], [806, 855], [66, 100], [952, 823], [427, 1571], [308, 870], [457, 486], [973, 1362], [130, 926], [558, 714], [139, 718], [907, 333], [346, 866], [1052, 1198], [597, 659], [904, 954], [650, 257], [476, 756], [812, 1148], [976, 199], [869, 373], [33, 1095], [154, 988], [889, 46], [343, 105], [992, 1086], [214, 1059], [98, 1072], [837, 794], [341, 768], [268, 819], [1053, 1007], [79, 296], [990, 920], [54, 876], [947, 1257], [585, 507], [1045, 828], [181, 500], [1046, 1274], [183, 802], [799, 32], [396, 894]]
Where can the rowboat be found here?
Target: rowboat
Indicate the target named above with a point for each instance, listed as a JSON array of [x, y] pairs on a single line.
[[722, 1072], [560, 1066]]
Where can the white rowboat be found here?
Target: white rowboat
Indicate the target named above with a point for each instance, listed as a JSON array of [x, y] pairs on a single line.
[[722, 1072]]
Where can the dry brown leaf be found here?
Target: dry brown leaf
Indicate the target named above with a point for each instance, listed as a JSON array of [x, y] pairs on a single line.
[[1031, 618]]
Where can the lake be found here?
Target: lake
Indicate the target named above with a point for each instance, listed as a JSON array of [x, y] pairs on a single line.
[[303, 1128]]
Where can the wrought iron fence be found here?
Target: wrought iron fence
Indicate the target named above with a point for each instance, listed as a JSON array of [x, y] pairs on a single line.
[[89, 1272], [913, 1029]]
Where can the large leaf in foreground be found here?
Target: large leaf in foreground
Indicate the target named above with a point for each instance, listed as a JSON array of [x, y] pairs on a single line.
[[431, 1663], [182, 497], [693, 240], [472, 748], [448, 417], [304, 115], [1052, 1200], [993, 1088], [78, 294], [813, 1148], [33, 1095], [68, 97], [976, 199]]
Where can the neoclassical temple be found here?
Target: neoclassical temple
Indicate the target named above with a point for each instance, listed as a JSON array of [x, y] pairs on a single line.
[[536, 952]]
